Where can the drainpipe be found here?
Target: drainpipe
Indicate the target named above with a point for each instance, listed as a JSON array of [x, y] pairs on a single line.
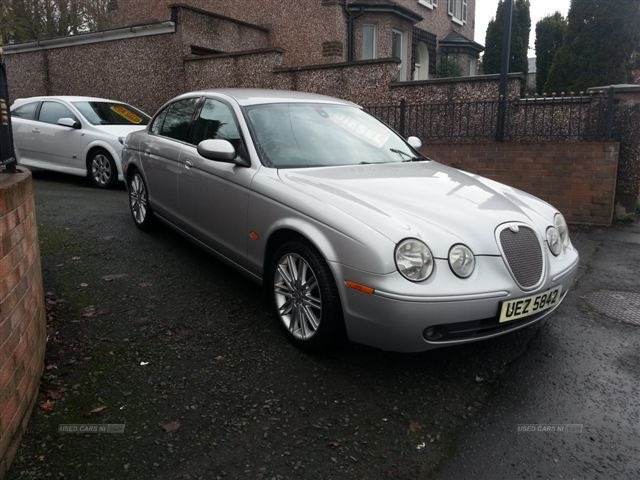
[[351, 18]]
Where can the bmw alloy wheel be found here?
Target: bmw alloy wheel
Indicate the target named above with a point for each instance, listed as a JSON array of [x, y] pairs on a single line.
[[297, 296]]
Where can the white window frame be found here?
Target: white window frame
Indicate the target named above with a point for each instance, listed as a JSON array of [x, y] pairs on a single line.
[[403, 54], [458, 10], [430, 4], [374, 28]]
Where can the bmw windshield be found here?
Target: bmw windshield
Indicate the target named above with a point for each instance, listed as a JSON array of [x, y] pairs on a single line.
[[298, 135]]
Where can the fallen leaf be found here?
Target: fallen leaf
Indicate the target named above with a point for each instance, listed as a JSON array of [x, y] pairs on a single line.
[[88, 312], [47, 406], [414, 426], [99, 409], [170, 426], [116, 276]]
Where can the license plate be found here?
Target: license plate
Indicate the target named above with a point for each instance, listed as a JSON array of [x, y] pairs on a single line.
[[526, 306]]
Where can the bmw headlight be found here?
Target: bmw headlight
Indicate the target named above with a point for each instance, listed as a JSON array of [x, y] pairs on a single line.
[[414, 260], [554, 241], [462, 260], [561, 225]]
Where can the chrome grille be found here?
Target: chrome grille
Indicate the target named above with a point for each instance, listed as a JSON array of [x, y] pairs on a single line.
[[523, 254]]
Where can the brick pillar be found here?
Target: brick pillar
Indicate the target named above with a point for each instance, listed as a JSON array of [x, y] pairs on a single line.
[[22, 314], [626, 130]]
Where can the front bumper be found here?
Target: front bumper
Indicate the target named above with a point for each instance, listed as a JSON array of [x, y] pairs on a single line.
[[397, 322]]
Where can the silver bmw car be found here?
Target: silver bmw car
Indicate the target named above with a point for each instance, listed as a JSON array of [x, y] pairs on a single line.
[[351, 230]]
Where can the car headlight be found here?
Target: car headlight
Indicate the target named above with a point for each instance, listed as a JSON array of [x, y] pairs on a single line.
[[462, 260], [561, 225], [554, 241], [414, 260], [122, 140]]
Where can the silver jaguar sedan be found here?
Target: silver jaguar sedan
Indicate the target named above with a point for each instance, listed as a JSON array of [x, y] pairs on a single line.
[[350, 228]]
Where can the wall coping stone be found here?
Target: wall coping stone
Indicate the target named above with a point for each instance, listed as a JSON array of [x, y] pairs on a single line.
[[209, 13], [325, 66], [476, 78], [145, 30]]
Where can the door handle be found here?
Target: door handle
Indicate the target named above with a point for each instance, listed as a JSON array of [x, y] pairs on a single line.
[[188, 164]]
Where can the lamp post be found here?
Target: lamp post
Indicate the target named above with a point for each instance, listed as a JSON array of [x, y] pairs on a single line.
[[504, 70], [7, 154]]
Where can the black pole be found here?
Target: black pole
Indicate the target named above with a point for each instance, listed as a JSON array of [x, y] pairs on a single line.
[[504, 70], [7, 155]]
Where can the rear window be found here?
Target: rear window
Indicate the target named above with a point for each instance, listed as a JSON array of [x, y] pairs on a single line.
[[110, 113], [27, 111]]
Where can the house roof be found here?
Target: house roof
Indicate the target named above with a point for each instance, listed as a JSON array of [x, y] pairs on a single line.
[[384, 6], [455, 39]]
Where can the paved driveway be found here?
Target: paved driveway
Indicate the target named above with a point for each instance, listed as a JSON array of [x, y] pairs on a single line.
[[148, 331]]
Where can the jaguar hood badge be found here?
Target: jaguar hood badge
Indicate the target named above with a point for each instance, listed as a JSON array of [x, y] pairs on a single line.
[[514, 228]]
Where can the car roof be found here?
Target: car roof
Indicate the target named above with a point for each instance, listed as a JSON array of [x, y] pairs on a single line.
[[257, 96], [66, 98]]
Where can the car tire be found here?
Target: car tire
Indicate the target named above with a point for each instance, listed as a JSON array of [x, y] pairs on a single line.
[[139, 207], [308, 311], [102, 169]]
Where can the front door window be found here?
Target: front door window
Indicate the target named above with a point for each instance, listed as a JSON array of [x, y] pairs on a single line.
[[399, 51], [422, 62]]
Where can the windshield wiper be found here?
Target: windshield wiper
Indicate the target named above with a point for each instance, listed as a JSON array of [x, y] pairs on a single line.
[[410, 158]]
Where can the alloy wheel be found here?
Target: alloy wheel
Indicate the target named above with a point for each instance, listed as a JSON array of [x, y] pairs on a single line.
[[297, 295], [101, 169], [138, 198]]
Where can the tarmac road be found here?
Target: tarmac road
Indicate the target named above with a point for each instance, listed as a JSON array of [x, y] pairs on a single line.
[[150, 332]]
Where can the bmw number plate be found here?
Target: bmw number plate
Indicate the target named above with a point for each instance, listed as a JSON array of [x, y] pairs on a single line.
[[526, 306]]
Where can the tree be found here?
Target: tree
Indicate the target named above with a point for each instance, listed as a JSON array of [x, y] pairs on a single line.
[[448, 67], [598, 46], [520, 31], [24, 20], [550, 33]]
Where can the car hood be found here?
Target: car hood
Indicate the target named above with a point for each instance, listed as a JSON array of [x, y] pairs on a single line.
[[119, 130], [436, 203]]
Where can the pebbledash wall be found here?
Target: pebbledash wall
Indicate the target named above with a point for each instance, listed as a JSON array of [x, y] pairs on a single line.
[[577, 178], [22, 314]]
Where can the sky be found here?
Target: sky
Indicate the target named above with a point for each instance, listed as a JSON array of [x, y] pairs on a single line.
[[486, 10]]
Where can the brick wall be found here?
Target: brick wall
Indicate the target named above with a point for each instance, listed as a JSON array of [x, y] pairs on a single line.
[[577, 178], [22, 316]]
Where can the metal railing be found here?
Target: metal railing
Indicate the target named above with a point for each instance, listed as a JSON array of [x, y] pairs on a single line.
[[527, 119]]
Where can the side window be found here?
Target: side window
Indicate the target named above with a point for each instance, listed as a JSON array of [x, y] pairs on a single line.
[[27, 111], [216, 122], [51, 112], [159, 120], [178, 119]]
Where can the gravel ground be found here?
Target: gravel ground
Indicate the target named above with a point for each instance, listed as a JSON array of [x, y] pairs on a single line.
[[148, 331]]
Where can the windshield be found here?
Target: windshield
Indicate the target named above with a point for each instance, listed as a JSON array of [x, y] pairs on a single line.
[[108, 113], [294, 135]]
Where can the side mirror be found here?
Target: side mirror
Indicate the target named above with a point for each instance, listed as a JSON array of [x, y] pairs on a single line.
[[220, 151], [69, 122], [415, 143]]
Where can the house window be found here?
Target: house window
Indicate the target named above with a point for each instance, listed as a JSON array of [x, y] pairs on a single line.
[[421, 71], [428, 3], [369, 40], [458, 11], [398, 50]]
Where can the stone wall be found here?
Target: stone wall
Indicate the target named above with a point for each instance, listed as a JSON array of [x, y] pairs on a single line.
[[22, 315], [577, 178]]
